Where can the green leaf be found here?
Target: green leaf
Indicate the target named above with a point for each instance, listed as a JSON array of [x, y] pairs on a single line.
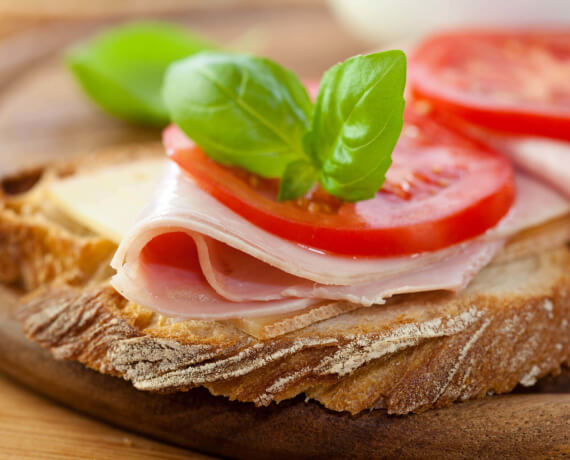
[[356, 123], [298, 178], [122, 68], [242, 110]]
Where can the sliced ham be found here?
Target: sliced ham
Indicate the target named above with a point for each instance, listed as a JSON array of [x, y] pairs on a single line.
[[535, 204], [240, 277], [546, 158], [543, 158], [187, 294], [240, 270]]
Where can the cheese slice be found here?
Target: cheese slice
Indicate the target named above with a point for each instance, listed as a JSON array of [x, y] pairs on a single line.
[[108, 201]]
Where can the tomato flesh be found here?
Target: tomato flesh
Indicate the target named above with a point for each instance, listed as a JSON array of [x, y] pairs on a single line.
[[173, 249], [441, 189], [516, 82]]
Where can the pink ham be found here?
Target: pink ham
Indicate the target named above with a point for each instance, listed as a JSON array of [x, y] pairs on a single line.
[[241, 270], [541, 157], [547, 159]]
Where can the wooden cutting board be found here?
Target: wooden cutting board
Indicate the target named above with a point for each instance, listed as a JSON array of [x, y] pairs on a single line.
[[511, 426], [33, 427], [44, 117]]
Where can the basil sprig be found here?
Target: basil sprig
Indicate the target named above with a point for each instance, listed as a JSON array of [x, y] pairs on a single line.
[[250, 112], [357, 120], [242, 110], [122, 69]]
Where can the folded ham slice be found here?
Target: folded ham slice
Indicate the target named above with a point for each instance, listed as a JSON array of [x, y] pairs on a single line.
[[226, 267]]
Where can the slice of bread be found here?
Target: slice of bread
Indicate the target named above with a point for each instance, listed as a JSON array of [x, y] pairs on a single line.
[[416, 352]]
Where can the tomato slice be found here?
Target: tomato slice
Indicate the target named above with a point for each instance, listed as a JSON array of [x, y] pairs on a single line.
[[516, 82], [442, 189]]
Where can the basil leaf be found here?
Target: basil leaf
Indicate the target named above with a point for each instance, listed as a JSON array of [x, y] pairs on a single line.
[[357, 120], [298, 178], [122, 69], [242, 110]]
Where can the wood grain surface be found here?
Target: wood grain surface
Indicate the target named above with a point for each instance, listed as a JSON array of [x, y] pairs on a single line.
[[55, 432], [44, 117]]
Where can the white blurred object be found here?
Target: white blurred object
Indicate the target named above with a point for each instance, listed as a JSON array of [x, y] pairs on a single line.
[[387, 20]]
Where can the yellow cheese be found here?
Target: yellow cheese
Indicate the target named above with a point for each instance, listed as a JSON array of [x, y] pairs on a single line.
[[108, 200]]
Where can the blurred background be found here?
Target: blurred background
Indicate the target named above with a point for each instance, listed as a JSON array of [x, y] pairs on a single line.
[[43, 114]]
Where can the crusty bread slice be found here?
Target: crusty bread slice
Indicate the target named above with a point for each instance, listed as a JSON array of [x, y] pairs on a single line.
[[416, 352]]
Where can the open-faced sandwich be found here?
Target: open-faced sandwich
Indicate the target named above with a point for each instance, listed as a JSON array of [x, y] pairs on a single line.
[[363, 251]]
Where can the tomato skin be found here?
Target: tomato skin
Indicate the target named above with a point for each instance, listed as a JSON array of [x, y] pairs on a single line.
[[387, 225], [510, 121], [439, 55]]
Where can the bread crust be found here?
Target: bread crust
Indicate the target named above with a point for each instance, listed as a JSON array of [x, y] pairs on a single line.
[[414, 353], [38, 244]]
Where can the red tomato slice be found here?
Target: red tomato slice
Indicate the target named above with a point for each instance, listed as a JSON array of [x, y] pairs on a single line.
[[441, 189], [517, 82]]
